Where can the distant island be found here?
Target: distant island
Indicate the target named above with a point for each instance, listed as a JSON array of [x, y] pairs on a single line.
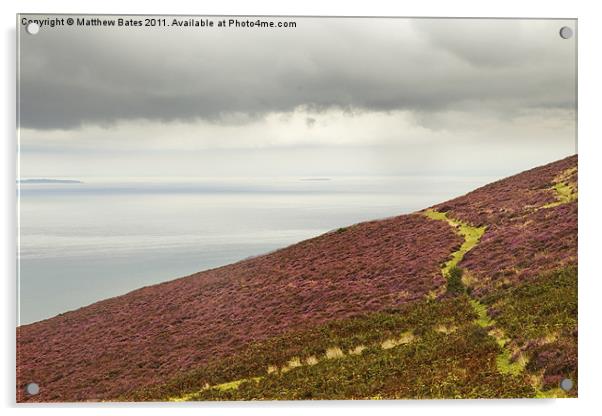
[[314, 179], [48, 181]]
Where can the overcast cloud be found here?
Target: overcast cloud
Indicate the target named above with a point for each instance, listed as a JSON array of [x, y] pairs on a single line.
[[374, 85]]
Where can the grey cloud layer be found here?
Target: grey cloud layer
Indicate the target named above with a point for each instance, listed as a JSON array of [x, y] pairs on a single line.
[[70, 76]]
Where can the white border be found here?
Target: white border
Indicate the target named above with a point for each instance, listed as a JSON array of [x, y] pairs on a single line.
[[590, 175]]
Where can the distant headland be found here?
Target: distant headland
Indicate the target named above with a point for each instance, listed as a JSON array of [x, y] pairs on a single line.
[[45, 180]]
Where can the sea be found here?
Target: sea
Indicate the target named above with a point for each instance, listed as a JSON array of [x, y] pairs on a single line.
[[79, 243]]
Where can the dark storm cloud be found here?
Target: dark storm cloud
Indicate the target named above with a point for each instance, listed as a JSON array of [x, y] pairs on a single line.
[[75, 76]]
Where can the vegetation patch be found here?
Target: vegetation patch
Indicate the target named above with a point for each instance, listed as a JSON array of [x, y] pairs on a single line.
[[358, 335], [334, 352], [565, 188], [506, 362], [455, 285], [523, 248], [507, 365], [471, 235], [540, 318], [539, 308], [483, 318], [459, 365], [405, 338]]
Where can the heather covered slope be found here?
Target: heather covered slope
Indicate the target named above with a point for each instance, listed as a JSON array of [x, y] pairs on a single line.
[[346, 314], [151, 334], [531, 221]]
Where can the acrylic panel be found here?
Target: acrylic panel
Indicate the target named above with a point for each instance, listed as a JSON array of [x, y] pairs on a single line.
[[295, 208]]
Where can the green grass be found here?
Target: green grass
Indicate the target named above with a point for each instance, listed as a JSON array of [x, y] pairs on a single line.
[[458, 365], [539, 316], [483, 319], [369, 330], [506, 365], [538, 308], [504, 362], [564, 189], [551, 394], [232, 385], [472, 235], [463, 363], [564, 192]]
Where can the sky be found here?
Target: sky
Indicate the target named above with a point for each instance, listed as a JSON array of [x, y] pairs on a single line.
[[329, 97]]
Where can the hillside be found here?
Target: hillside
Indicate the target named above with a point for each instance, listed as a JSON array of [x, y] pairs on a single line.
[[475, 297]]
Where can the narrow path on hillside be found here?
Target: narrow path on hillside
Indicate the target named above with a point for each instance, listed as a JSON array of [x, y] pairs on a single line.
[[508, 361], [472, 235]]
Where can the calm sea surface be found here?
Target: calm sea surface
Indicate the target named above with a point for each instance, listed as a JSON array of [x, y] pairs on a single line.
[[80, 243]]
